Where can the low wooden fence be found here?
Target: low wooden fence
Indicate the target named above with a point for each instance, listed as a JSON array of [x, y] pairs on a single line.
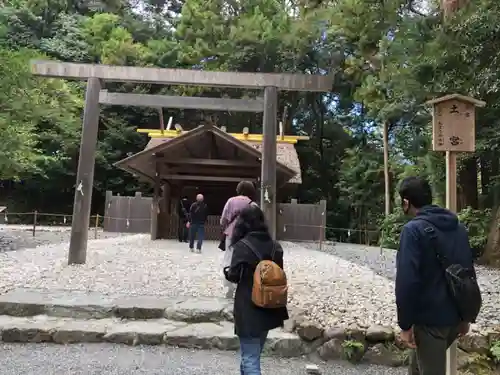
[[301, 222], [295, 222], [127, 214]]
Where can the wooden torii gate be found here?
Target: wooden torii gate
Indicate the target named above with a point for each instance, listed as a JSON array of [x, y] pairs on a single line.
[[97, 74]]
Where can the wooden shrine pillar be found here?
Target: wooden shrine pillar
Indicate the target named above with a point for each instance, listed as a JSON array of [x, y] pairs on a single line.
[[268, 179], [164, 218], [155, 207], [85, 175]]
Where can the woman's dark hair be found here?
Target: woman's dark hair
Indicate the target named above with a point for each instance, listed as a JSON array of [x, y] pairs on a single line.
[[246, 188], [250, 219], [417, 191]]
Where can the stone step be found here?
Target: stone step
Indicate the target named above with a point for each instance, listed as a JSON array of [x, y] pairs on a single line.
[[91, 305], [43, 328]]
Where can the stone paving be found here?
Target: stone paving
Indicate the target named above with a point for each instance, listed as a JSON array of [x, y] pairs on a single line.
[[332, 290], [64, 317], [111, 359]]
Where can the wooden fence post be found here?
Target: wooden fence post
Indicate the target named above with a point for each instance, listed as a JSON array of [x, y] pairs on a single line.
[[35, 214], [322, 227], [96, 225], [106, 224]]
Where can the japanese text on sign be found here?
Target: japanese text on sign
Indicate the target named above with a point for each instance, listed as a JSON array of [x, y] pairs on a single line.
[[453, 126]]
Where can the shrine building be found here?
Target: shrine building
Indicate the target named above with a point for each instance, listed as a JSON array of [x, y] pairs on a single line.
[[210, 161]]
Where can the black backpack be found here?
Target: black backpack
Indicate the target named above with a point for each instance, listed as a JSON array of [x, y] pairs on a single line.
[[461, 282]]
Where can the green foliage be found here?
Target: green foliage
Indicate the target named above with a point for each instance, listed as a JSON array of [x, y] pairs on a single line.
[[477, 223], [39, 119], [353, 350], [391, 227], [495, 351]]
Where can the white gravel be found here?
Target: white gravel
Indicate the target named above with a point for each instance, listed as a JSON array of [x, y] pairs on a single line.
[[20, 237], [332, 290]]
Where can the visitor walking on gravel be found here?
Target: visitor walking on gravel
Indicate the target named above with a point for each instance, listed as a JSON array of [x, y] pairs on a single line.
[[437, 295], [259, 306], [198, 216], [245, 195]]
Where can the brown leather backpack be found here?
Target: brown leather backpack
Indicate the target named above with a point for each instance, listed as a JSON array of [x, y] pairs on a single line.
[[270, 288]]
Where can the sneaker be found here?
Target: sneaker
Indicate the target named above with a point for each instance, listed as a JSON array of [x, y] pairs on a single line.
[[191, 249]]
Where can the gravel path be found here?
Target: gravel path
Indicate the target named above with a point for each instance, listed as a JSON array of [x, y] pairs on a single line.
[[380, 261], [18, 237], [332, 290], [105, 359], [383, 262]]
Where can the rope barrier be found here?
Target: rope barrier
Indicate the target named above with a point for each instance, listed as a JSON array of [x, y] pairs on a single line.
[[67, 217], [128, 219], [97, 221]]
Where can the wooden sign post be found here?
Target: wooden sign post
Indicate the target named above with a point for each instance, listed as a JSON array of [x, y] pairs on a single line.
[[453, 131]]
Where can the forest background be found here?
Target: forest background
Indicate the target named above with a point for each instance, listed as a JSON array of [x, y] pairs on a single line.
[[388, 57]]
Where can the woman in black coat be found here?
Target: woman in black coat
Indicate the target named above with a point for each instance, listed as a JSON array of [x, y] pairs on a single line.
[[252, 323]]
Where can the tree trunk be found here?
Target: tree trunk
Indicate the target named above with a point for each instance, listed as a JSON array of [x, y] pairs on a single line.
[[495, 171], [449, 7], [387, 177], [467, 180], [485, 199], [491, 255]]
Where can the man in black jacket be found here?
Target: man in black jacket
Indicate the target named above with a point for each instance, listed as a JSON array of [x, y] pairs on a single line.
[[427, 315], [197, 217], [183, 212]]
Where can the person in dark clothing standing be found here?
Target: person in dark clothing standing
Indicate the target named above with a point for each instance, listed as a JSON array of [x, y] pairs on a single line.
[[252, 323], [197, 216], [183, 212], [427, 315]]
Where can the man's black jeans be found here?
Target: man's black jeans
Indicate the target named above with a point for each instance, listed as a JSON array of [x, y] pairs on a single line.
[[199, 231], [430, 356]]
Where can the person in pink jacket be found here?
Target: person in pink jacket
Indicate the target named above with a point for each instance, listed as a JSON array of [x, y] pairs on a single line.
[[245, 196]]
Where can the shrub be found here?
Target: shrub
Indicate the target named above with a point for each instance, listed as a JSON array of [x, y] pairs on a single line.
[[477, 223], [390, 229]]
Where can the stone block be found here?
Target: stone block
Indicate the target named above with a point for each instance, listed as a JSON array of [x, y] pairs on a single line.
[[378, 334], [386, 355], [285, 344], [203, 336], [60, 303], [75, 331], [35, 329], [198, 310], [142, 307], [145, 332], [474, 343]]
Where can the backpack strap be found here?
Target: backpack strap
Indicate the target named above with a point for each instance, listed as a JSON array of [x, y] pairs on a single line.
[[443, 261], [251, 247], [431, 234]]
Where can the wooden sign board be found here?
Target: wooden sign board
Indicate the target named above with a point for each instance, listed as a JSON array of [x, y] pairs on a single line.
[[453, 125]]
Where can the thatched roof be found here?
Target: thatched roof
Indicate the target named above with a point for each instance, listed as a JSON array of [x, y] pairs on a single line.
[[285, 153]]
